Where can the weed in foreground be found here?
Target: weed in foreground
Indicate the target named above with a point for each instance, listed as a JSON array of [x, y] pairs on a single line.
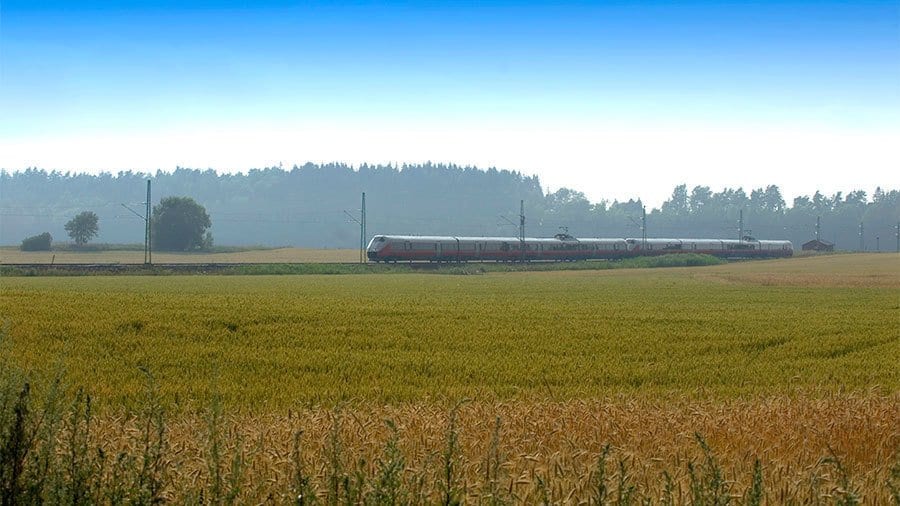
[[60, 451]]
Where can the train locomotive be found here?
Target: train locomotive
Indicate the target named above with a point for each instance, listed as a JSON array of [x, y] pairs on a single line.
[[562, 247]]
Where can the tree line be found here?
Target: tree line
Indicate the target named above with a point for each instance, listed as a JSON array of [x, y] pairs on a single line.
[[177, 224], [308, 206]]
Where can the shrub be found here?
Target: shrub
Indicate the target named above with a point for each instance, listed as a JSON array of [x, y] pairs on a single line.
[[37, 242]]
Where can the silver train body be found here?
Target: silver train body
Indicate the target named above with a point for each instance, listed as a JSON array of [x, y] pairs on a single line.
[[408, 248]]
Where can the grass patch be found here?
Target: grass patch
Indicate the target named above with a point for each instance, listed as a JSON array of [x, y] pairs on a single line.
[[680, 260], [269, 269]]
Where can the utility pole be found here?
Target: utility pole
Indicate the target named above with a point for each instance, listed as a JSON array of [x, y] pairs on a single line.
[[897, 235], [148, 248], [521, 225], [643, 227], [818, 227], [741, 226], [862, 243], [361, 221], [522, 229], [878, 243], [362, 231]]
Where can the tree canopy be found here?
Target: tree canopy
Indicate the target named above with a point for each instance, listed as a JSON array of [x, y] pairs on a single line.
[[304, 206], [40, 242], [179, 224], [83, 227]]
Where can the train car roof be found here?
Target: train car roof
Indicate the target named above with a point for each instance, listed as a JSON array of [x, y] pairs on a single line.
[[693, 239], [447, 238], [655, 239], [501, 239]]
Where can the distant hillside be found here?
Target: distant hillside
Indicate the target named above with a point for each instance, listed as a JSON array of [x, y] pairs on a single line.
[[305, 206]]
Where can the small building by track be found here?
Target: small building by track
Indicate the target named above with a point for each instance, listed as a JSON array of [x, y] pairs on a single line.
[[817, 245]]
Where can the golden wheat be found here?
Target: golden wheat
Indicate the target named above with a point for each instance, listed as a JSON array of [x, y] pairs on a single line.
[[558, 442]]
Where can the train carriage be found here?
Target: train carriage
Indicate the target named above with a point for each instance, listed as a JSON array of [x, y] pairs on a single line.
[[562, 247], [748, 247], [393, 248]]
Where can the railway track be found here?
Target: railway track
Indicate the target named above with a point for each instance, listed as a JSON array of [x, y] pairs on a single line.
[[273, 267], [191, 267]]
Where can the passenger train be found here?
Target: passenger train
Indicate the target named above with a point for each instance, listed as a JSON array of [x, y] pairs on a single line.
[[562, 247]]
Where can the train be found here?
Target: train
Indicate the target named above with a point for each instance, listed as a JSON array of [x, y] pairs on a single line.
[[560, 248]]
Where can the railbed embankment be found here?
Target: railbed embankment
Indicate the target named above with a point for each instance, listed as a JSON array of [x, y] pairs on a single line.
[[246, 268]]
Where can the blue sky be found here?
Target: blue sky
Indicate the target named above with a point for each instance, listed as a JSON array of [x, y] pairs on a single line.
[[581, 93]]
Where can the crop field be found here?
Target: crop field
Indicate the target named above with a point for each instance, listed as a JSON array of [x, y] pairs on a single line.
[[279, 386], [278, 255], [723, 330]]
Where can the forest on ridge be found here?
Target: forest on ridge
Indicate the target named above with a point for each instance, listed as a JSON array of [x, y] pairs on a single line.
[[306, 206]]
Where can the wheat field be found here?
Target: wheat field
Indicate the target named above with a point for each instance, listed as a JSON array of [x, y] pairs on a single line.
[[401, 338], [757, 382]]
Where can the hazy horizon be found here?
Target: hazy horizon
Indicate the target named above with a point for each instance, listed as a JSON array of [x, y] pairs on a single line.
[[619, 100], [548, 190]]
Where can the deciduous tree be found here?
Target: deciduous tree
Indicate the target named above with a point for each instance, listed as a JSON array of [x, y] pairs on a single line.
[[83, 227], [179, 224]]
